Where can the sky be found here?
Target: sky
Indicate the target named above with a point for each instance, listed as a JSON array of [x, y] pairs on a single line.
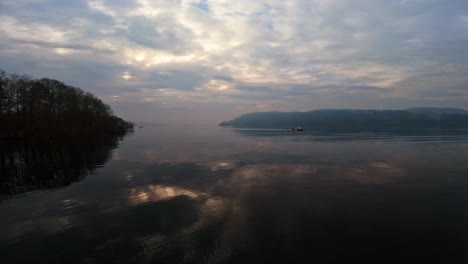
[[211, 60]]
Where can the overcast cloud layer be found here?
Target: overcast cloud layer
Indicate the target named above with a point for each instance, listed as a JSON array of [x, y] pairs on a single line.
[[209, 60]]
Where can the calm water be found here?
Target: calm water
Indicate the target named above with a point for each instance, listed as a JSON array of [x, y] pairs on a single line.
[[216, 195]]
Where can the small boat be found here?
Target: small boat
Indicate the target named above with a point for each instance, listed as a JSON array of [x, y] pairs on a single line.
[[297, 129]]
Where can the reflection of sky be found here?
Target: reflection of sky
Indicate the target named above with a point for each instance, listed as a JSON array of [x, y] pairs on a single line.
[[154, 193], [226, 188]]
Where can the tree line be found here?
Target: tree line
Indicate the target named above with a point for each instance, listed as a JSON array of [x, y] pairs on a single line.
[[47, 108]]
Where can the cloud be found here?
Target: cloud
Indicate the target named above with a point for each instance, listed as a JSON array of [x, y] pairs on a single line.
[[239, 54]]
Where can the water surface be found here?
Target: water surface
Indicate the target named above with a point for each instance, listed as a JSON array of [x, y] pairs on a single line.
[[190, 194]]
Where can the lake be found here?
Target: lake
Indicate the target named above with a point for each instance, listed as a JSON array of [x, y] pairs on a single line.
[[193, 194]]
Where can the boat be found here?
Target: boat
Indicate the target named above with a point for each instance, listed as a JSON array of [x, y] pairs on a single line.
[[298, 129]]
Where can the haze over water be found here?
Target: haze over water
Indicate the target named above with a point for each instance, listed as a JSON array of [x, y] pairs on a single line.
[[192, 194]]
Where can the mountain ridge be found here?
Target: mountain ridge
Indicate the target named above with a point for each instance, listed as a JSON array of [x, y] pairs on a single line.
[[355, 119]]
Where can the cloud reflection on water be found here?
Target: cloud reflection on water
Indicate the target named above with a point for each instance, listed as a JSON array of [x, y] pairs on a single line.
[[330, 201]]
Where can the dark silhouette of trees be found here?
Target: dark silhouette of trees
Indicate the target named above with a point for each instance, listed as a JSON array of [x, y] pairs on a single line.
[[26, 166], [47, 108]]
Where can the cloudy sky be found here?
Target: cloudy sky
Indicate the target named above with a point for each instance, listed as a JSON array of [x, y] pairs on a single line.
[[211, 60]]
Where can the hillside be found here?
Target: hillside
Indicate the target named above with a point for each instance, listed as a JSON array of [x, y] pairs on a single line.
[[362, 120]]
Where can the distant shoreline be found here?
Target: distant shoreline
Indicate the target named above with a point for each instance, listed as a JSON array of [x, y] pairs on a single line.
[[356, 120]]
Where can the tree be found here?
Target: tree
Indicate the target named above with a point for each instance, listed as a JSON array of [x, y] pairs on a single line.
[[49, 108]]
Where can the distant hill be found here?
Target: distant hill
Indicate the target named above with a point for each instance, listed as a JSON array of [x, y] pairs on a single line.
[[437, 111], [355, 120]]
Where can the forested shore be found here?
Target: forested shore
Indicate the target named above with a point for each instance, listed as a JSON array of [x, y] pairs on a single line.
[[46, 109]]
